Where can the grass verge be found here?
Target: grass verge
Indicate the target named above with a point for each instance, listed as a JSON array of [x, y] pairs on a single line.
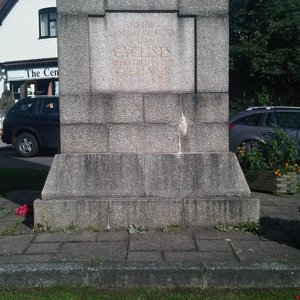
[[21, 179], [149, 294]]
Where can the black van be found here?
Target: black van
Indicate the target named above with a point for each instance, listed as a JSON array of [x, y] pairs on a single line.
[[32, 124]]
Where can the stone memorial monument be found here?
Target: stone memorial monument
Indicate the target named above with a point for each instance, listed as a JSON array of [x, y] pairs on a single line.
[[144, 117]]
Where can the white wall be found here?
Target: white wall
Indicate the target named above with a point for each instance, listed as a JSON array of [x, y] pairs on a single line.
[[19, 34]]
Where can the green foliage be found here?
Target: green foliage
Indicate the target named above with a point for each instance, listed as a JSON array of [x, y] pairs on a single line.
[[281, 150], [251, 227], [75, 293], [279, 153], [136, 228], [71, 226], [39, 228], [12, 230], [264, 52], [253, 159], [5, 211]]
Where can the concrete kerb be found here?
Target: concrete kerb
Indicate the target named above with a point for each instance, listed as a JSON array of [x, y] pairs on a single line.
[[137, 275]]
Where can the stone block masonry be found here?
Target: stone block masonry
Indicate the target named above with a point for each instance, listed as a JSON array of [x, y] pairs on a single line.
[[144, 114]]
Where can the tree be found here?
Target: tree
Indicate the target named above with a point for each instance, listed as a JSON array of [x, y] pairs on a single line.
[[264, 52]]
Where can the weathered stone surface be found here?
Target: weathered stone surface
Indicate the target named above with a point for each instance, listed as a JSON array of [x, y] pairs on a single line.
[[163, 108], [93, 252], [213, 246], [11, 245], [116, 213], [212, 54], [145, 256], [152, 175], [205, 108], [229, 211], [43, 248], [192, 175], [73, 47], [205, 137], [182, 241], [60, 214], [113, 236], [81, 7], [145, 211], [143, 138], [51, 237], [143, 5], [94, 176], [140, 53], [82, 236], [139, 108], [199, 257], [265, 251], [25, 259], [83, 138], [203, 7], [101, 109], [221, 235]]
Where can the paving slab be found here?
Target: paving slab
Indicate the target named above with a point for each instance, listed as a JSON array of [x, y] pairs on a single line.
[[51, 237], [265, 251], [145, 256], [189, 257], [43, 248], [24, 259], [113, 236], [12, 245], [214, 246], [215, 234], [162, 241], [92, 251], [200, 257]]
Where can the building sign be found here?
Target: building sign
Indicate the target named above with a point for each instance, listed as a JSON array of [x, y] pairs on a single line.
[[29, 74]]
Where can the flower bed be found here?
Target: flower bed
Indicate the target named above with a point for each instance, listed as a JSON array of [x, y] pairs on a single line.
[[271, 167], [267, 181]]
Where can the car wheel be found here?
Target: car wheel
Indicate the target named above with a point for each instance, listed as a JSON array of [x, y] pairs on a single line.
[[27, 145]]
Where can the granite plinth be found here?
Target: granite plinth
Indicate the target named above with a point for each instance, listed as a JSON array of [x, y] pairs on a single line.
[[147, 189], [150, 212]]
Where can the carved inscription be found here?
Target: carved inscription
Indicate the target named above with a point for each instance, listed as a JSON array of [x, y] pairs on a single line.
[[142, 51]]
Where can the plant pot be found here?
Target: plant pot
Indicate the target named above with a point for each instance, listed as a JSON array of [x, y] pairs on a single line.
[[267, 181]]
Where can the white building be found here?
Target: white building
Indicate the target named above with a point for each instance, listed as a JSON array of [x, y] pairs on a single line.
[[28, 47]]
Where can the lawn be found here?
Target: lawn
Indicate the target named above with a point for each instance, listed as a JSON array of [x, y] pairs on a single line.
[[149, 294], [21, 179]]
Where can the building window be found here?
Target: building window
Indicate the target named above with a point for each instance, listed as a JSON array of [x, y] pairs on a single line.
[[47, 18]]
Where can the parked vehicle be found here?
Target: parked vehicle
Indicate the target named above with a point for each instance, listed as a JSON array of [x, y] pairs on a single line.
[[31, 124], [254, 125]]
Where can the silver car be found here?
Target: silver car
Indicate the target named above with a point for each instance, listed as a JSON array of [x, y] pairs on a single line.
[[254, 125]]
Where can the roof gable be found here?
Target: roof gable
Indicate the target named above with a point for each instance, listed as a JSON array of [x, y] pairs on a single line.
[[5, 8]]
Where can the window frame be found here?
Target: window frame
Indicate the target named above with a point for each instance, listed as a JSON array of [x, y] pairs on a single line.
[[47, 11]]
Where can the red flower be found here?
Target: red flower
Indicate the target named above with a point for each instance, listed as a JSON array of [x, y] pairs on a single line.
[[297, 297], [24, 210]]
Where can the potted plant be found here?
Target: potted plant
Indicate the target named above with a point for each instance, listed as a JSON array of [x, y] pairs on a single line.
[[271, 167]]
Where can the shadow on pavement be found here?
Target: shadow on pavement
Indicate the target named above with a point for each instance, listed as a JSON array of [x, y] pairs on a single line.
[[281, 230], [10, 159]]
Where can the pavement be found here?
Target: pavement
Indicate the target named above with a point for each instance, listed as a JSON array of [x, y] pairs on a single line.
[[170, 257], [10, 159]]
